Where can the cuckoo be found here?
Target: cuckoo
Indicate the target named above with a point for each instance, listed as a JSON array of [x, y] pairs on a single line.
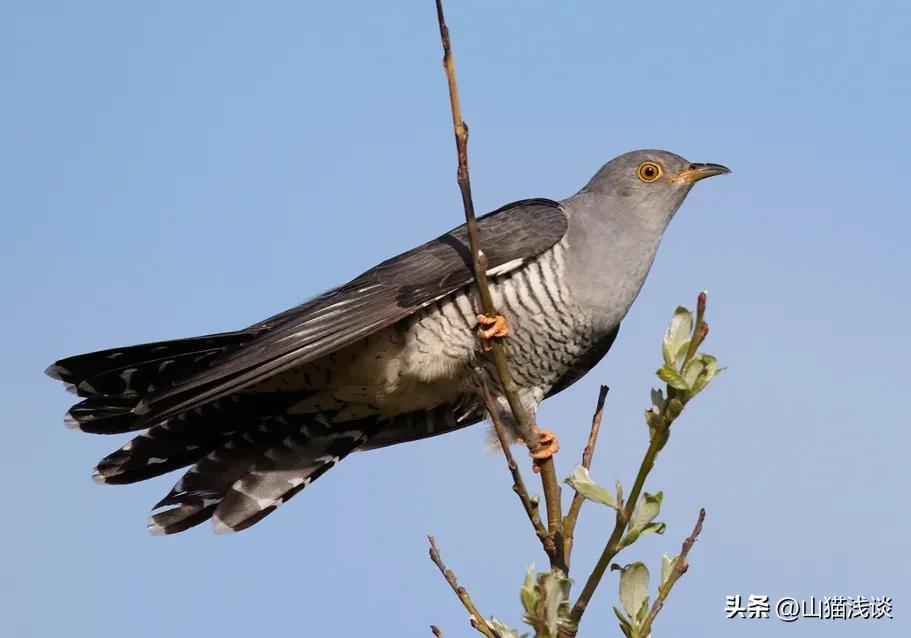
[[258, 414]]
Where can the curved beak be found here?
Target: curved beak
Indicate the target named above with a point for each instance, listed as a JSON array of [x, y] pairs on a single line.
[[695, 172]]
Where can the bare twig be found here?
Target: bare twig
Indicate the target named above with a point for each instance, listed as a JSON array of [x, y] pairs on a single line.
[[679, 570], [477, 620], [436, 631], [497, 352], [518, 483], [569, 523]]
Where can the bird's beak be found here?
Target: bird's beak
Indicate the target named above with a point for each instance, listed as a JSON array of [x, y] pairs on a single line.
[[695, 172]]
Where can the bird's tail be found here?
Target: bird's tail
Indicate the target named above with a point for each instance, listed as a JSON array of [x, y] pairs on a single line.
[[113, 381], [247, 478], [247, 455]]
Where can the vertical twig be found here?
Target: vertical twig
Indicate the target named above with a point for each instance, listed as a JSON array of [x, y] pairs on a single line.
[[612, 547], [569, 523], [498, 354], [518, 483], [679, 570], [476, 618]]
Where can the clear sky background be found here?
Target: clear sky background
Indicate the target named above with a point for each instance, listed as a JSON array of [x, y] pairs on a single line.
[[171, 169]]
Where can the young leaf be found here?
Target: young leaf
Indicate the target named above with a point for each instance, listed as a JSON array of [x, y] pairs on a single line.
[[555, 588], [709, 371], [582, 482], [643, 609], [667, 566], [528, 593], [641, 521], [648, 508], [673, 378], [633, 587], [677, 337], [625, 625], [503, 630], [692, 370]]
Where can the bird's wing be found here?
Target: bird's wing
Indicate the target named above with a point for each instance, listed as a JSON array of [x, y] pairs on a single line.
[[375, 300]]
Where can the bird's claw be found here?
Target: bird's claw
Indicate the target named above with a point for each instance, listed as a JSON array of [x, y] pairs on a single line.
[[498, 328], [548, 445]]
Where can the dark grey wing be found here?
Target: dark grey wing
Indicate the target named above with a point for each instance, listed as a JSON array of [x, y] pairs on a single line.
[[377, 299]]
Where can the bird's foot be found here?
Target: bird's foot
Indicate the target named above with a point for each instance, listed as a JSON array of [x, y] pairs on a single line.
[[498, 328], [548, 445]]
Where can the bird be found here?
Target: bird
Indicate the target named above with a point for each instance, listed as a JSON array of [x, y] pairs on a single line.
[[392, 356]]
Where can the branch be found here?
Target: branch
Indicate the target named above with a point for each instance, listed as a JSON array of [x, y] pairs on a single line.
[[436, 631], [477, 620], [518, 484], [660, 428], [680, 567], [497, 352], [569, 523], [622, 519]]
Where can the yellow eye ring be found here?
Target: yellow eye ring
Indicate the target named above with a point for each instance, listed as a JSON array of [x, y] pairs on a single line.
[[649, 171]]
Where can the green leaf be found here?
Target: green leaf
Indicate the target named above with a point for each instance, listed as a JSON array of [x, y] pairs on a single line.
[[555, 589], [677, 337], [625, 625], [667, 566], [672, 378], [503, 630], [692, 370], [640, 615], [640, 523], [633, 587], [647, 509], [528, 593], [629, 538], [710, 370], [582, 482]]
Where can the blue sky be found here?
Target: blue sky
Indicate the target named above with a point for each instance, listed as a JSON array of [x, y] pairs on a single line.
[[173, 169]]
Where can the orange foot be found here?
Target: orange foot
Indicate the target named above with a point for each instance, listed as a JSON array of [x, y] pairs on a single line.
[[548, 445], [498, 328]]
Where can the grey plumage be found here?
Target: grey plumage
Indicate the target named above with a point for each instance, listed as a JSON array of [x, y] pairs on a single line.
[[260, 413]]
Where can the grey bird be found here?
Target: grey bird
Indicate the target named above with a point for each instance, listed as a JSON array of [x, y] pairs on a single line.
[[260, 413]]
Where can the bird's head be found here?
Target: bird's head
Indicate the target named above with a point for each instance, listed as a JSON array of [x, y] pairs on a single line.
[[649, 184]]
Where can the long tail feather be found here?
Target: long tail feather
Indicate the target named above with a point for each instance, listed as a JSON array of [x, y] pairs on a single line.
[[114, 381], [279, 473], [254, 472], [200, 489], [188, 437], [121, 371]]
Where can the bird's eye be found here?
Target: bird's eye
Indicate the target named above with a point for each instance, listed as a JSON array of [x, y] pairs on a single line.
[[649, 171]]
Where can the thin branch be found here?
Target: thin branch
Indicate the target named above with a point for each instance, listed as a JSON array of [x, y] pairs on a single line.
[[612, 547], [476, 618], [659, 437], [436, 631], [497, 352], [518, 484], [679, 570], [569, 523]]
